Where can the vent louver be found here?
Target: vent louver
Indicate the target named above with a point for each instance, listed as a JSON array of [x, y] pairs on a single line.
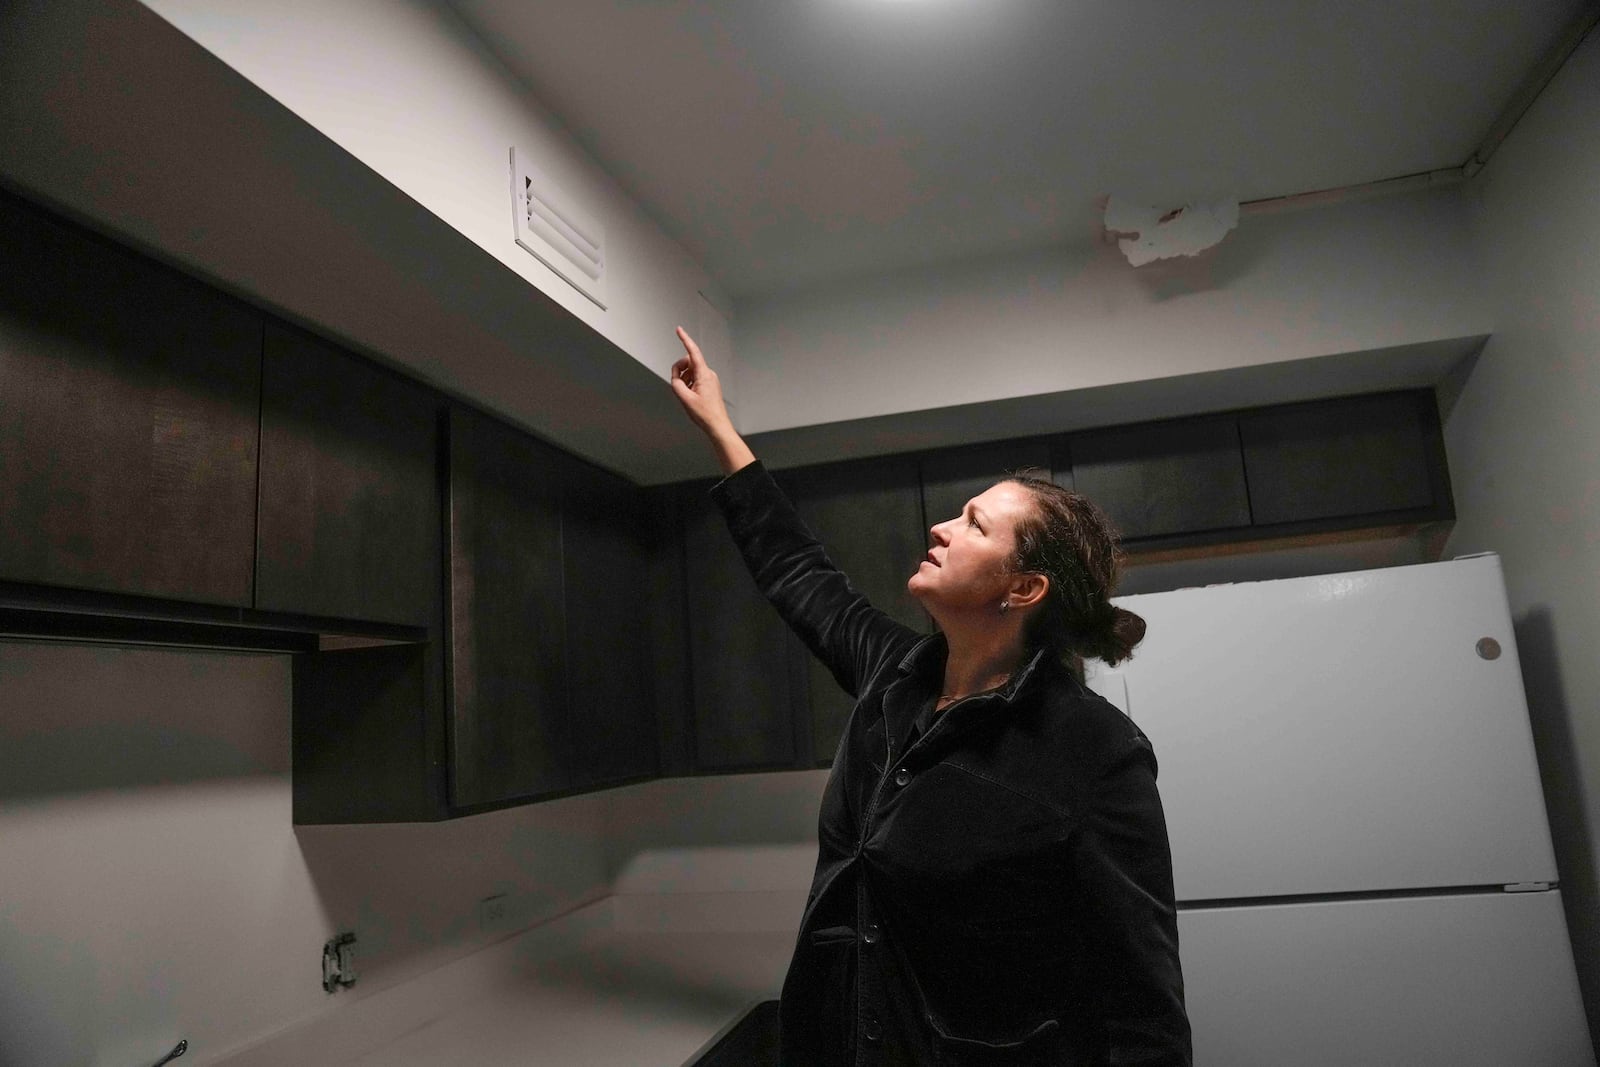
[[556, 231]]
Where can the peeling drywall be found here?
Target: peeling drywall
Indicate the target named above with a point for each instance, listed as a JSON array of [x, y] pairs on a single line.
[[1147, 232]]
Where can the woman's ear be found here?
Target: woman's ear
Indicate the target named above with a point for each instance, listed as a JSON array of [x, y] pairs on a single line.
[[1028, 590]]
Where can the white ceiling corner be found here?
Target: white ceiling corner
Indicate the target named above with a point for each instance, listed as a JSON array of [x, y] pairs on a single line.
[[790, 145]]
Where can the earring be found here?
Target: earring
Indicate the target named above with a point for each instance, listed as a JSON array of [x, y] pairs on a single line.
[[1005, 606]]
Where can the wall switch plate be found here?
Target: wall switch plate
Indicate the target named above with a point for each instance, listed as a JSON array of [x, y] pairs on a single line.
[[549, 224]]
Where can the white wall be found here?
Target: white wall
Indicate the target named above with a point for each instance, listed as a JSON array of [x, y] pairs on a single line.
[[1523, 436], [406, 88], [1290, 286], [153, 887]]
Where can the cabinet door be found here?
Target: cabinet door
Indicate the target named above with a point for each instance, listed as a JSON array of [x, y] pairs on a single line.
[[609, 692], [508, 712], [868, 515], [1358, 456], [667, 610], [1164, 478], [368, 735], [128, 412], [953, 476], [349, 487], [742, 656]]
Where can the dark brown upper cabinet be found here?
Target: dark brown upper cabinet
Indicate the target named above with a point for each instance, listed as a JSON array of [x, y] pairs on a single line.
[[1354, 456], [128, 412], [610, 695], [868, 515], [747, 676], [953, 476], [510, 622], [368, 735], [1164, 479], [667, 611], [507, 647], [350, 487]]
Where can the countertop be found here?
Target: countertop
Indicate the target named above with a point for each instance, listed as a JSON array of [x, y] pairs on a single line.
[[623, 982], [629, 1000]]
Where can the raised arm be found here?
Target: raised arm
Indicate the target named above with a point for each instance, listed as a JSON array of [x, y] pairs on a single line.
[[852, 638]]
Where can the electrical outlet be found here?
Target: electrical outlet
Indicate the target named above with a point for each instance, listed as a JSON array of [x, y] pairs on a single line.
[[493, 913]]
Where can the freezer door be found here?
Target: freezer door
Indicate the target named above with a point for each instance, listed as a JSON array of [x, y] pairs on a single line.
[[1454, 981], [1339, 733]]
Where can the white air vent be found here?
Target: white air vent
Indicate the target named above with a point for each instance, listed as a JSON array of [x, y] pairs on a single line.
[[565, 239]]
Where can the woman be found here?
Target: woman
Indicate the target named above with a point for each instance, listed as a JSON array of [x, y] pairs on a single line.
[[993, 883]]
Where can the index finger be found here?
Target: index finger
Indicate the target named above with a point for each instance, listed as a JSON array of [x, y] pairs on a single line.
[[690, 347]]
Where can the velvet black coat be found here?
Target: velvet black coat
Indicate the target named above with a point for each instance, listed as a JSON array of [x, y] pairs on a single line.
[[997, 890]]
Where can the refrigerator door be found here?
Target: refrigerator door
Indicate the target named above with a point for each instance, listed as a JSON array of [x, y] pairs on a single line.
[[1363, 731], [1454, 981]]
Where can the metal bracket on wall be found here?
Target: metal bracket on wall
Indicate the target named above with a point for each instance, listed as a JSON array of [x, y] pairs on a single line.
[[183, 1046], [338, 963]]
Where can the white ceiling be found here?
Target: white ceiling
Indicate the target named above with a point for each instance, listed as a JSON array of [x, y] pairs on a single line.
[[791, 143]]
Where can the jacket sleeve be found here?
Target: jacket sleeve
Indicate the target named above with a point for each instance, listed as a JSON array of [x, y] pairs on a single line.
[[853, 639], [1124, 863]]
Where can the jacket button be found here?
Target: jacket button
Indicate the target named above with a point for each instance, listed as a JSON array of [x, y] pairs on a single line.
[[871, 934], [873, 1030], [902, 776]]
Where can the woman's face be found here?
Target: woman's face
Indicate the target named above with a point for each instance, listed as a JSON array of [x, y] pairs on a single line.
[[967, 566]]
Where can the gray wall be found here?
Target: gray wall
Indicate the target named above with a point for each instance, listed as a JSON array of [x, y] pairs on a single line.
[[1522, 428], [153, 887]]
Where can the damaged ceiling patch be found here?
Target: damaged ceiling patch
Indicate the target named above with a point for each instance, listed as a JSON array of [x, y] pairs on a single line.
[[1146, 233]]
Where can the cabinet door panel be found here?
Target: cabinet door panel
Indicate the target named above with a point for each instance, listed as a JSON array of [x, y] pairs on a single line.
[[951, 477], [741, 652], [1362, 455], [868, 516], [667, 610], [507, 641], [128, 421], [349, 487], [609, 691], [1165, 478], [367, 735]]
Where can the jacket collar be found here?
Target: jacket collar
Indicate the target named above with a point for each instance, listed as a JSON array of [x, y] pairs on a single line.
[[928, 655], [921, 673]]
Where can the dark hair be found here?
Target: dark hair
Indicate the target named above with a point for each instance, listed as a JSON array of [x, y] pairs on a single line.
[[1069, 540]]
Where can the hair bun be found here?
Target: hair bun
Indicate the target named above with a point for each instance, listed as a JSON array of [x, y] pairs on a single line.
[[1124, 631]]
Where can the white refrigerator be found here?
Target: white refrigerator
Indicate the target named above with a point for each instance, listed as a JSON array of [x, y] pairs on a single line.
[[1359, 842]]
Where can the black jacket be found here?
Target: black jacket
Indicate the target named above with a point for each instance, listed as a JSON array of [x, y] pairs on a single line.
[[997, 890]]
